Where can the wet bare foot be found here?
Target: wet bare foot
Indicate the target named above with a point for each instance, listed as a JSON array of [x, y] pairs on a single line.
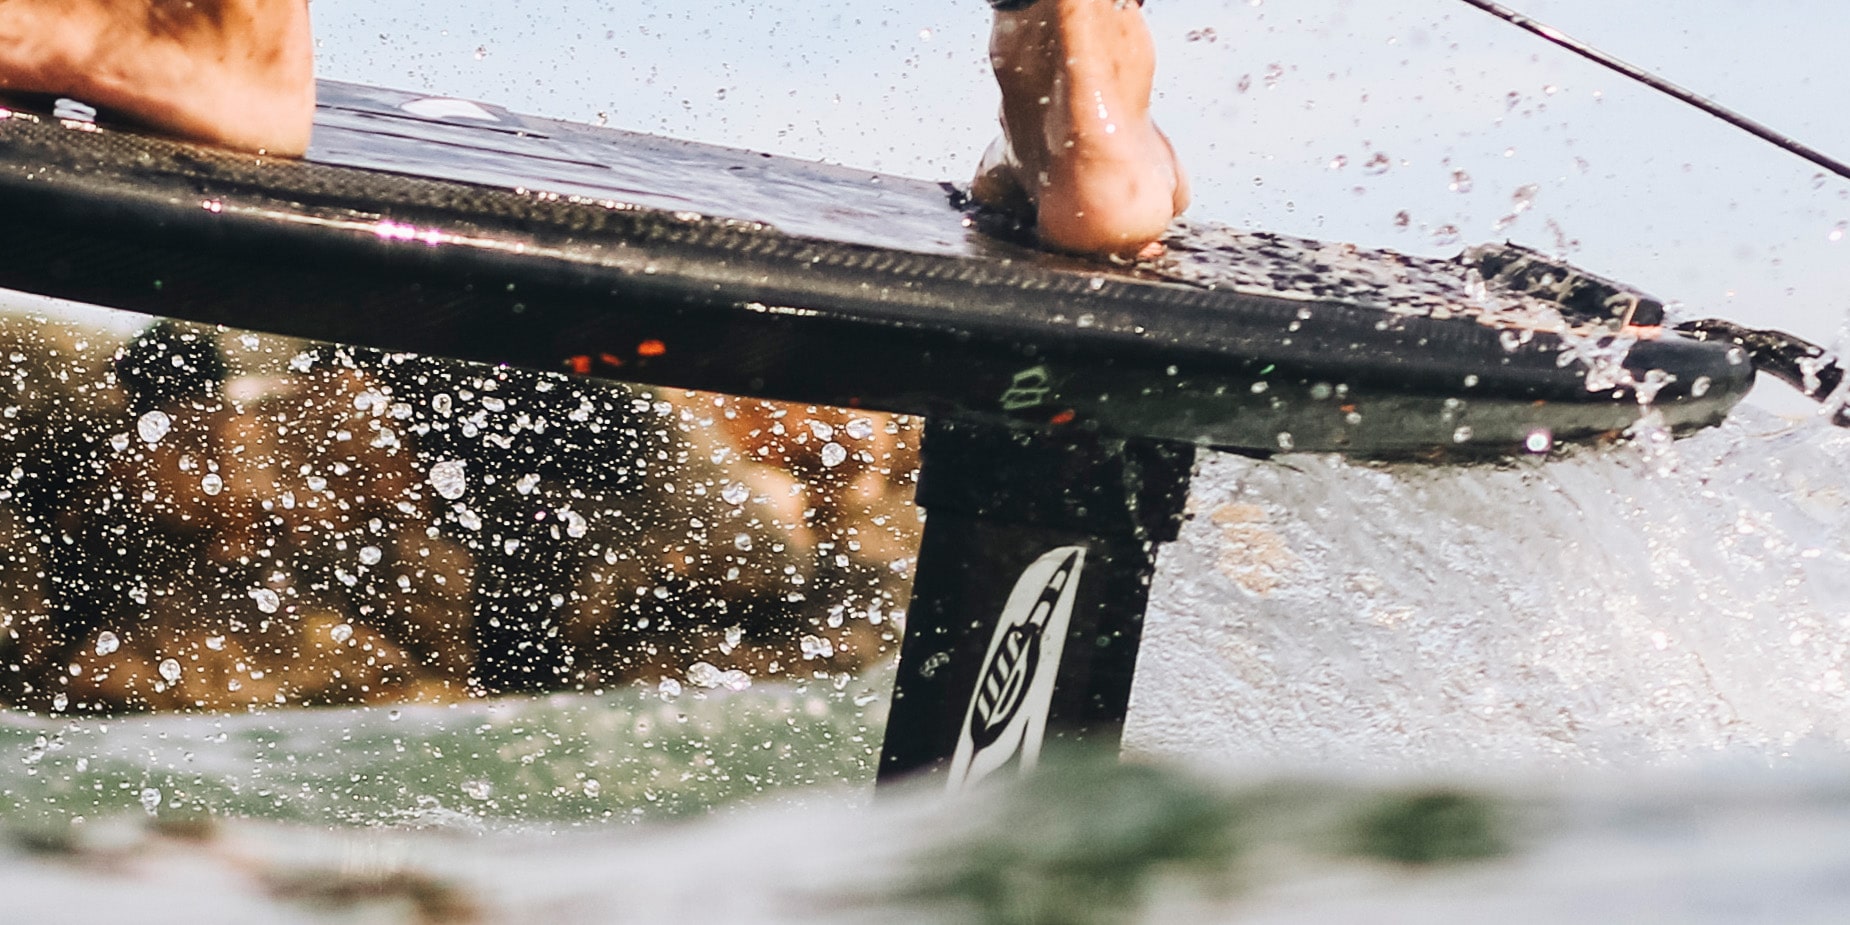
[[233, 72], [1077, 144]]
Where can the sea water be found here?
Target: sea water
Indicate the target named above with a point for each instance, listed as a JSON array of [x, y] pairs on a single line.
[[624, 756], [1431, 693]]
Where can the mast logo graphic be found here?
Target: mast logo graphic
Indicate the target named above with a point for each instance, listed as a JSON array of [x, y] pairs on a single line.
[[1029, 388], [1007, 716]]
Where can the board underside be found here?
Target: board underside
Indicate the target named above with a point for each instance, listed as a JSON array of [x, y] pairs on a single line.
[[450, 228]]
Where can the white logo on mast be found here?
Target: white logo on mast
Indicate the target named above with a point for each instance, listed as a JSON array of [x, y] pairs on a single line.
[[1007, 715]]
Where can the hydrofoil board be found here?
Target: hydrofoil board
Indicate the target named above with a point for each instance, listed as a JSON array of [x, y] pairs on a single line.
[[455, 228]]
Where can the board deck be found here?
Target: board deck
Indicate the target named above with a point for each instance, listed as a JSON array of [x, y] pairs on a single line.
[[453, 228]]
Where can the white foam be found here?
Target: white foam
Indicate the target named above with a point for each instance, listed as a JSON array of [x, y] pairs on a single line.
[[1627, 607]]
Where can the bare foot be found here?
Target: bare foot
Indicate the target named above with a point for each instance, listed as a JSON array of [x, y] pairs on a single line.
[[234, 72], [1077, 144]]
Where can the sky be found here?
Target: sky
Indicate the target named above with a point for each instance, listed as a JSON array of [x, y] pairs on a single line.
[[1421, 125]]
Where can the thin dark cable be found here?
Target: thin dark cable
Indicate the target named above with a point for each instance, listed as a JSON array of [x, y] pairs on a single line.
[[1662, 86]]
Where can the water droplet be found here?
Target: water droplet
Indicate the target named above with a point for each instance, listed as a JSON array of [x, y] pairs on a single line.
[[833, 454], [150, 799], [1321, 391], [211, 484], [1471, 381], [1378, 164], [341, 632], [1462, 434], [106, 642], [119, 442], [59, 701], [170, 670], [1339, 162], [703, 674], [817, 647], [267, 600], [1095, 283], [481, 51], [1540, 440], [1700, 387], [450, 478], [742, 542], [735, 493], [668, 689], [1654, 382], [1839, 230], [575, 524], [1523, 198], [370, 555], [592, 788], [478, 789], [215, 643], [73, 111], [526, 484], [820, 429], [1446, 234], [1461, 182], [153, 426], [1285, 441]]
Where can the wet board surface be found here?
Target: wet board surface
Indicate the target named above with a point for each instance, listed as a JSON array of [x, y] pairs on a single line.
[[457, 228]]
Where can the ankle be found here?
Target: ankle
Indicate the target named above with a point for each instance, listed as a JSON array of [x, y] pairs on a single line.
[[45, 49]]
